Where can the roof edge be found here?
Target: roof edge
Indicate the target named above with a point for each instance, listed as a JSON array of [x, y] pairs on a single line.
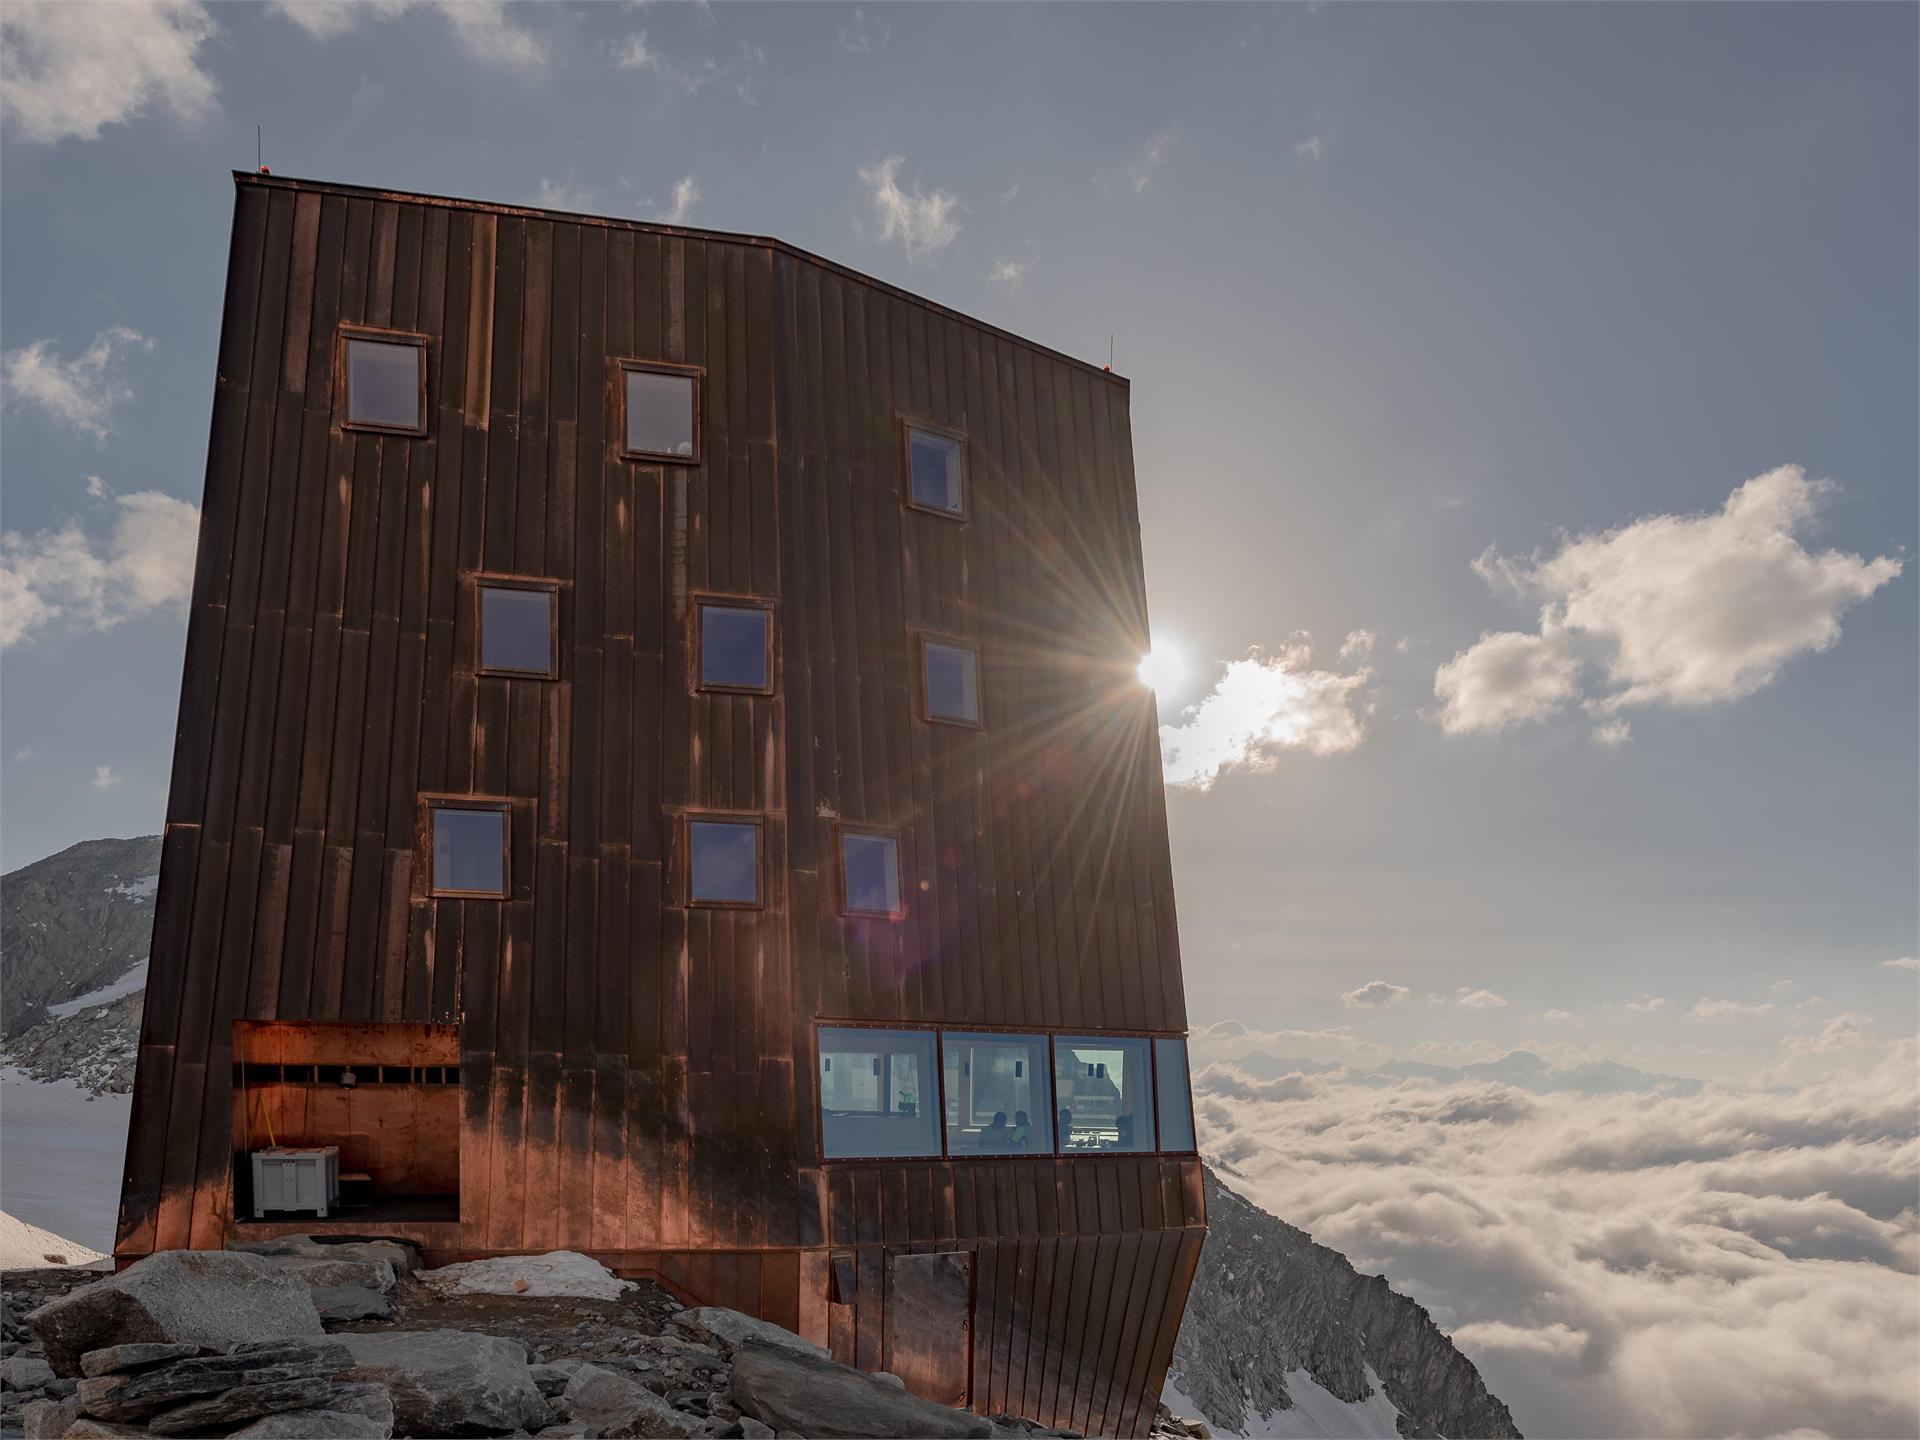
[[729, 237]]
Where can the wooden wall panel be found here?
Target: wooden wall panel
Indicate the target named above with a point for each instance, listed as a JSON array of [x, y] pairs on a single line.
[[638, 1074]]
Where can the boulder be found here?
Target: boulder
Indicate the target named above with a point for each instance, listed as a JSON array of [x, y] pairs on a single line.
[[138, 1396], [552, 1379], [125, 1359], [49, 1419], [729, 1329], [402, 1255], [88, 1429], [25, 1372], [565, 1273], [449, 1382], [314, 1425], [349, 1302], [611, 1405], [242, 1402], [362, 1274], [214, 1298], [804, 1395]]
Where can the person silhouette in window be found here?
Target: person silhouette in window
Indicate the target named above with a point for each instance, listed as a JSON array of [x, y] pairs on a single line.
[[1021, 1136], [994, 1137]]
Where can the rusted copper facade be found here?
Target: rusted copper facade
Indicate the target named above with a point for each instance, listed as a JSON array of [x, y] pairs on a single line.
[[637, 1075]]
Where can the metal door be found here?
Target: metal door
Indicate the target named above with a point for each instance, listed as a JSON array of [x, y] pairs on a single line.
[[929, 1339]]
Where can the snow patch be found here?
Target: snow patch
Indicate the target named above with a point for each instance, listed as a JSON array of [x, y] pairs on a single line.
[[1317, 1413], [145, 888], [134, 979], [558, 1272]]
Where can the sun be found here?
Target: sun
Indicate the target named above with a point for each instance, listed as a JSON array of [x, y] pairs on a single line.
[[1163, 669]]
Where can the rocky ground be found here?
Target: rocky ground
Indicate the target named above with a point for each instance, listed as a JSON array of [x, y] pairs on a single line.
[[342, 1340], [94, 1048]]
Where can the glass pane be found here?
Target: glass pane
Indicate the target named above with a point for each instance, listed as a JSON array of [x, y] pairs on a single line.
[[516, 629], [953, 687], [1104, 1102], [872, 866], [659, 413], [470, 850], [733, 646], [998, 1098], [877, 1095], [1173, 1093], [383, 383], [935, 464], [726, 861]]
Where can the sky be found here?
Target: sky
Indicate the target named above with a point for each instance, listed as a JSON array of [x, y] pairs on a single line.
[[1524, 409]]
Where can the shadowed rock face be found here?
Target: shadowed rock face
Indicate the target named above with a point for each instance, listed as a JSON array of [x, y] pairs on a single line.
[[74, 922], [1267, 1300]]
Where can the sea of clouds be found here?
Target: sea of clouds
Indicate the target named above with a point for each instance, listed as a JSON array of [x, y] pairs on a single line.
[[1727, 1263]]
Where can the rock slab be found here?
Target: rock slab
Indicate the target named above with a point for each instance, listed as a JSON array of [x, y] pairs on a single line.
[[449, 1382], [141, 1396], [125, 1359], [212, 1298], [243, 1402], [730, 1329], [611, 1405], [801, 1394]]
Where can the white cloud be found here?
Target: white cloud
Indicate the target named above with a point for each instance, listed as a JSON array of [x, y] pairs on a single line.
[[1660, 1265], [1479, 999], [1358, 645], [1905, 962], [925, 224], [1138, 172], [1010, 273], [1312, 148], [1613, 733], [858, 39], [1842, 1032], [1647, 1004], [1684, 610], [1262, 707], [145, 564], [1781, 986], [480, 27], [67, 71], [686, 195], [24, 754], [1375, 994], [563, 195], [1556, 1015], [1705, 1009], [82, 392], [104, 778]]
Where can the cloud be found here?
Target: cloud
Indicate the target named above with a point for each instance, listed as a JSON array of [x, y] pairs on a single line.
[[1262, 707], [1721, 1263], [68, 71], [1479, 999], [1905, 962], [1375, 994], [1312, 148], [1647, 1004], [1010, 273], [1613, 733], [686, 195], [563, 195], [1556, 1015], [1843, 1032], [104, 778], [1682, 610], [480, 27], [24, 754], [83, 392], [144, 565], [1705, 1009], [1358, 645], [859, 39], [925, 224], [1138, 172]]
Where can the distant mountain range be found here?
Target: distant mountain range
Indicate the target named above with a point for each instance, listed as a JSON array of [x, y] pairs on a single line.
[[1521, 1069], [74, 923]]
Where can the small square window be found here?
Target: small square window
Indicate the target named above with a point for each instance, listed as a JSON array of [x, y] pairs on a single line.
[[661, 414], [386, 384], [725, 862], [469, 851], [517, 629], [952, 682], [735, 647], [870, 870], [936, 470]]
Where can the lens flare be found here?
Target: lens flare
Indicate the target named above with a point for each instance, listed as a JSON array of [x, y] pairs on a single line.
[[1162, 670]]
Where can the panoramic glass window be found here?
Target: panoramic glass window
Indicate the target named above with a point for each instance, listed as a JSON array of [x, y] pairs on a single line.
[[734, 647], [936, 467], [998, 1098], [953, 682], [660, 414], [516, 629], [870, 865], [469, 851], [1171, 1090], [385, 384], [725, 862], [878, 1093], [1104, 1099]]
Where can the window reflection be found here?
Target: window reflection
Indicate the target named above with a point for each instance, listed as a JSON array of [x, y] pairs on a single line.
[[877, 1096], [1105, 1099], [469, 851], [726, 862], [870, 865], [936, 467], [733, 646], [516, 629], [1174, 1094], [998, 1099], [383, 384], [953, 682], [659, 414]]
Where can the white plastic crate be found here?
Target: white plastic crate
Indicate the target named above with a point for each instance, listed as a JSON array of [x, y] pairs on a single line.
[[285, 1178]]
